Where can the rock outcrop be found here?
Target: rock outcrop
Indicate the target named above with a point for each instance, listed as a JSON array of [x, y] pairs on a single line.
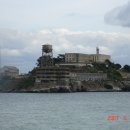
[[77, 86]]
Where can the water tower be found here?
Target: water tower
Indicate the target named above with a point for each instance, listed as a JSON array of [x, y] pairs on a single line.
[[47, 55], [47, 50]]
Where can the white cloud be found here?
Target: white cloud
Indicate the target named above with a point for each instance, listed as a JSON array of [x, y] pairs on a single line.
[[25, 47], [10, 52]]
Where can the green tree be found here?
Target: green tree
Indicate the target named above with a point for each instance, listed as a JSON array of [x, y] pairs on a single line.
[[126, 68], [59, 59], [39, 62], [114, 74], [117, 66], [26, 82]]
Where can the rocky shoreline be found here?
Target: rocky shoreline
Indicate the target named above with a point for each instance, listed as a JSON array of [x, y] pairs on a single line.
[[84, 86]]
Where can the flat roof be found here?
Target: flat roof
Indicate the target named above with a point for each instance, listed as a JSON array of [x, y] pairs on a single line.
[[88, 54]]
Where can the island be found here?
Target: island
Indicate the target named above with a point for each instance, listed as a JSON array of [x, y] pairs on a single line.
[[69, 72]]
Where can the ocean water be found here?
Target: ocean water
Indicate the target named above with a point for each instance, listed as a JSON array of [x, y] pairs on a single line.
[[64, 111]]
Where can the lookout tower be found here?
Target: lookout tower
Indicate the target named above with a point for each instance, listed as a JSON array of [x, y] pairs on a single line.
[[97, 50]]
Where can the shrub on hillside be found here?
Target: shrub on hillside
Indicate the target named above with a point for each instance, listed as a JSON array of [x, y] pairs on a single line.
[[108, 86]]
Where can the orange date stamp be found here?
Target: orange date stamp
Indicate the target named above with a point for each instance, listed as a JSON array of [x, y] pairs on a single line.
[[116, 118]]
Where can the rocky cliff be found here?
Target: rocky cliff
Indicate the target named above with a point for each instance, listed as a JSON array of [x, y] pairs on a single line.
[[84, 86]]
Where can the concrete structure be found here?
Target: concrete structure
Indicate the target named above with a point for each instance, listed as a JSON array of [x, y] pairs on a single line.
[[71, 64], [125, 75], [88, 76], [97, 50], [47, 74], [86, 58], [10, 71], [52, 75]]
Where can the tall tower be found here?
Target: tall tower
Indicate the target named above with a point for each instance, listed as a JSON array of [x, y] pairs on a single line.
[[97, 50], [47, 55]]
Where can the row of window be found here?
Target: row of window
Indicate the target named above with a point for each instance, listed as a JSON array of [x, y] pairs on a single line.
[[70, 59]]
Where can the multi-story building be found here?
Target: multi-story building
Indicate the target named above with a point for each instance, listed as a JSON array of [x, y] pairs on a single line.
[[48, 74], [10, 71], [52, 75], [86, 58]]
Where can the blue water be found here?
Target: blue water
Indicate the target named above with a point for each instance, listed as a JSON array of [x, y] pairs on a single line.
[[66, 111]]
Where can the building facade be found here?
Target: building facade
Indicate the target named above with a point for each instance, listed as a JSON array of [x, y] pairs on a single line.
[[86, 58], [10, 71], [52, 75], [88, 76]]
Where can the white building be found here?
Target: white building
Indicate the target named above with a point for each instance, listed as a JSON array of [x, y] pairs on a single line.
[[9, 71], [86, 58]]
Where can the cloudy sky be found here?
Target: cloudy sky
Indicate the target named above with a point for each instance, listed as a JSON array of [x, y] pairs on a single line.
[[69, 25]]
